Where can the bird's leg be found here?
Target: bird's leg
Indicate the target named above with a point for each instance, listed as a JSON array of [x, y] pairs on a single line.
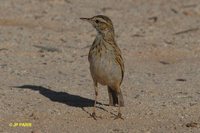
[[96, 94], [119, 115], [111, 103]]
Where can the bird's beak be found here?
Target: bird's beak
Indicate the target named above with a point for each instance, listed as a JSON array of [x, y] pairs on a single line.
[[86, 19]]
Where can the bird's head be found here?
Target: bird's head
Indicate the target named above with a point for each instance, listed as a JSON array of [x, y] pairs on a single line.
[[101, 23]]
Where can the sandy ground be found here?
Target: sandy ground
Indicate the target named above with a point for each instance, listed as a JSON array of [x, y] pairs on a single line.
[[44, 71]]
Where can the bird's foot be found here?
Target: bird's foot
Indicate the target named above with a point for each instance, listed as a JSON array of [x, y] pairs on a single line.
[[93, 115], [119, 116]]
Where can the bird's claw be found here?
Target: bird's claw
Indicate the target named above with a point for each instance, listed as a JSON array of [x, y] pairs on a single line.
[[94, 116], [119, 116]]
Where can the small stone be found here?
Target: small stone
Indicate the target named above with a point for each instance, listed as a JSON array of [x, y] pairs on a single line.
[[36, 131]]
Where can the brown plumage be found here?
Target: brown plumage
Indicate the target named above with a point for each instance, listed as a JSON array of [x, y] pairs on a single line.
[[106, 62]]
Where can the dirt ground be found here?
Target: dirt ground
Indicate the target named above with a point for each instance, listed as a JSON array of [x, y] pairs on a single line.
[[44, 71]]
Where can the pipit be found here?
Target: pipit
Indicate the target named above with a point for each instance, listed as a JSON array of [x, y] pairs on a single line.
[[106, 62]]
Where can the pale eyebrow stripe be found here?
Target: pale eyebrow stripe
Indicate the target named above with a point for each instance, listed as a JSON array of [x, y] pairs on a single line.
[[102, 20]]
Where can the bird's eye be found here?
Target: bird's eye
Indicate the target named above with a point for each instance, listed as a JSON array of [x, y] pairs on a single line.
[[97, 21]]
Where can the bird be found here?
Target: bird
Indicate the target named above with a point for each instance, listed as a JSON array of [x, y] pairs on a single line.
[[106, 62]]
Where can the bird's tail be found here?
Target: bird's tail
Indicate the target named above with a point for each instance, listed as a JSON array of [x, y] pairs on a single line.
[[113, 99]]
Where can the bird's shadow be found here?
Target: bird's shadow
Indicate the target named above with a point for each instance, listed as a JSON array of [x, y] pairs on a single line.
[[61, 97]]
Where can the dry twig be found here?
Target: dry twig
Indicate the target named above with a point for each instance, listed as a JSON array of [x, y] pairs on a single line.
[[186, 31]]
